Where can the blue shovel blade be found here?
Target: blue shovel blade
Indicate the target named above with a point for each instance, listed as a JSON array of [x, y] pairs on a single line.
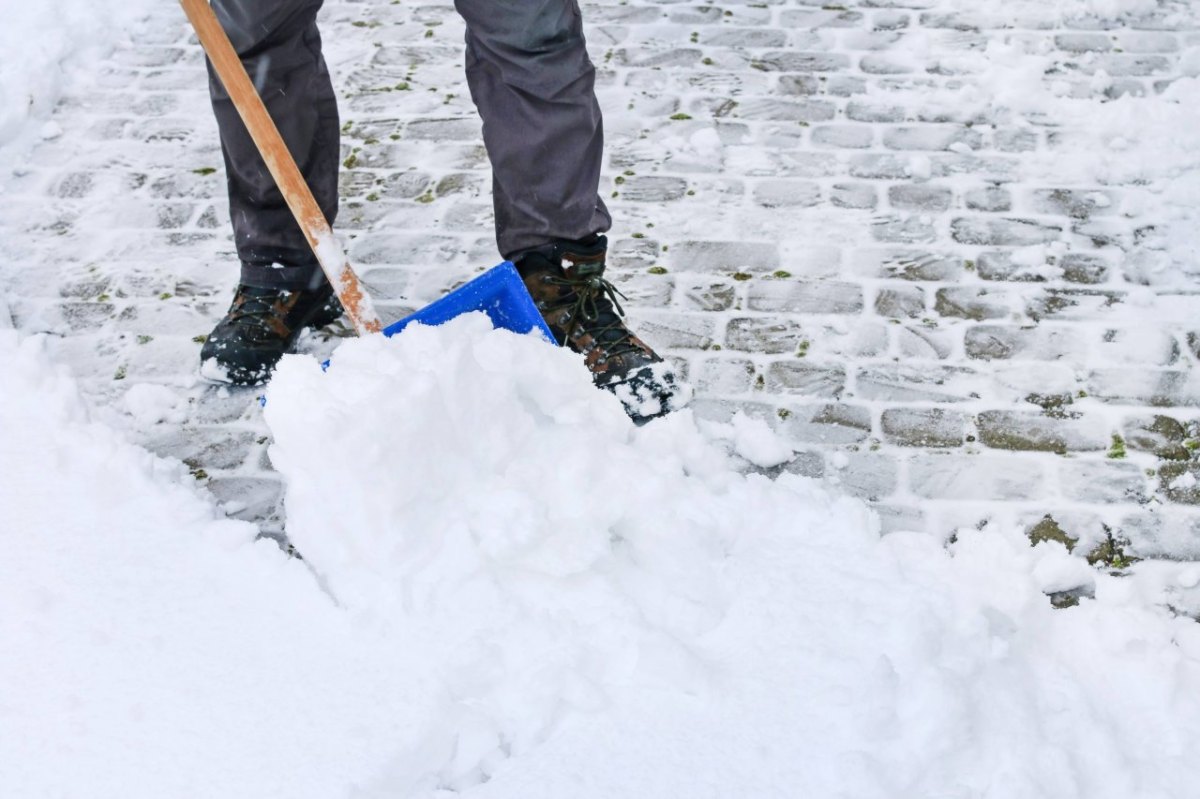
[[498, 292]]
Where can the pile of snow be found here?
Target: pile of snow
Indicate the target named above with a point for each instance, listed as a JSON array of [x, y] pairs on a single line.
[[509, 591], [50, 46]]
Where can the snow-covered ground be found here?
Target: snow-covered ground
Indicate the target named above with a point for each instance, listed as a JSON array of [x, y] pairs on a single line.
[[49, 46], [508, 591]]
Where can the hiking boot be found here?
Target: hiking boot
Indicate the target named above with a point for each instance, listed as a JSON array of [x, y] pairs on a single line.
[[582, 309], [261, 325]]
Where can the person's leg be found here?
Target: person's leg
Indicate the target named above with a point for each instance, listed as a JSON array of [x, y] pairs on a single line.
[[282, 289], [531, 79], [534, 86], [281, 49]]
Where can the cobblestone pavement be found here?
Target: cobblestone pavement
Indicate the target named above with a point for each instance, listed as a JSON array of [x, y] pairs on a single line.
[[800, 225]]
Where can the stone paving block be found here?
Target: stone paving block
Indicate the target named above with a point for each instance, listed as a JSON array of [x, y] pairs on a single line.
[[1137, 346], [787, 194], [647, 58], [931, 137], [1171, 532], [1159, 388], [1085, 268], [977, 477], [643, 289], [1015, 266], [868, 475], [825, 424], [1015, 140], [881, 166], [843, 85], [409, 184], [727, 376], [162, 318], [995, 342], [247, 498], [900, 302], [920, 197], [1024, 431], [874, 112], [1164, 436], [1179, 482], [976, 304], [709, 296], [794, 61], [998, 169], [1074, 203], [806, 378], [907, 264], [404, 248], [1122, 65], [845, 136], [884, 63], [674, 330], [745, 37], [924, 341], [900, 229], [827, 16], [924, 383], [773, 336], [804, 464], [201, 448], [805, 297], [854, 195], [1148, 41], [798, 85], [1103, 482], [639, 253], [724, 256], [653, 189], [924, 427], [807, 111], [1084, 42], [992, 199], [1003, 232]]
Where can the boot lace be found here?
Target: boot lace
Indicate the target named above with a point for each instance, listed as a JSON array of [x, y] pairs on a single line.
[[254, 313], [594, 305]]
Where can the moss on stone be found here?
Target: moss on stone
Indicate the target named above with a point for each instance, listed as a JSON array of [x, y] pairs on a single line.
[[1117, 450], [1110, 553], [1049, 530], [1054, 405]]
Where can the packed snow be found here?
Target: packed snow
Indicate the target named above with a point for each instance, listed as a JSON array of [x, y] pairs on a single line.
[[510, 591]]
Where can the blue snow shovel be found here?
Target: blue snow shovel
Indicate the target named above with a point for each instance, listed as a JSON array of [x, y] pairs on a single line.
[[499, 292]]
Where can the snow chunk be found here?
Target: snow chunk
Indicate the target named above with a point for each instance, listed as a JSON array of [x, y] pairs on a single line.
[[149, 404]]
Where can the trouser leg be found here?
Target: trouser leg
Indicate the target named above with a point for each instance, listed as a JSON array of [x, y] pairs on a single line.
[[531, 79], [281, 49]]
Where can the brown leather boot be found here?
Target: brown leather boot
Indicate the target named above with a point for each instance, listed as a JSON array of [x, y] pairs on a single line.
[[566, 281]]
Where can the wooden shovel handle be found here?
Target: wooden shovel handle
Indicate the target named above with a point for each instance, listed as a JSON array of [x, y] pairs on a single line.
[[283, 167]]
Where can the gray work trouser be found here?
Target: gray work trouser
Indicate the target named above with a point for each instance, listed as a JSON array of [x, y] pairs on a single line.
[[530, 78]]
